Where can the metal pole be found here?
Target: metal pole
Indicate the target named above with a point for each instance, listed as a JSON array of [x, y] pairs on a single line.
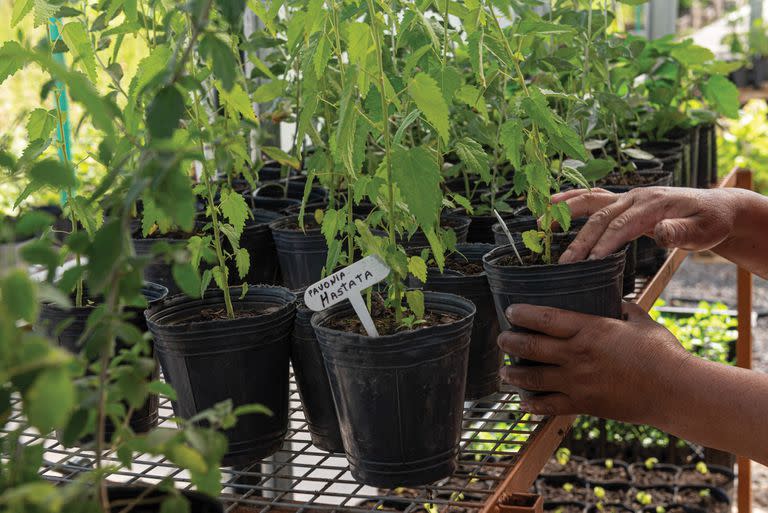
[[744, 354], [662, 18], [64, 139]]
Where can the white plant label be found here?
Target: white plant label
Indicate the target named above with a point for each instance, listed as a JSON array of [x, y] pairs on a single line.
[[349, 283]]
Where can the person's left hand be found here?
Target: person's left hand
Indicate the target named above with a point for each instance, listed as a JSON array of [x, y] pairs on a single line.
[[618, 369]]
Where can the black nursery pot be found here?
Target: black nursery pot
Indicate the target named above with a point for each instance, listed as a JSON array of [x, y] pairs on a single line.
[[245, 360], [759, 71], [312, 381], [707, 140], [740, 77], [675, 508], [670, 153], [591, 287], [152, 500], [302, 254], [516, 225], [67, 327], [158, 270], [484, 354], [400, 397], [481, 227], [257, 240], [689, 138]]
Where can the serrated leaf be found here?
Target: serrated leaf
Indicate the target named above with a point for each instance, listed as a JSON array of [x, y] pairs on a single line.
[[242, 261], [44, 11], [692, 55], [438, 251], [532, 240], [220, 277], [40, 124], [281, 157], [429, 99], [79, 44], [187, 279], [562, 215], [11, 59], [330, 224], [415, 300], [538, 177], [20, 9], [418, 267], [221, 59], [512, 139], [235, 210], [471, 95], [472, 155], [269, 91], [53, 173], [238, 102], [418, 177]]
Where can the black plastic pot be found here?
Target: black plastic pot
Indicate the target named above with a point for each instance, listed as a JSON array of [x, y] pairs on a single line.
[[671, 471], [68, 325], [591, 287], [312, 381], [759, 71], [158, 270], [257, 240], [302, 254], [484, 354], [152, 500], [630, 269], [741, 77], [670, 153], [674, 508], [689, 138], [309, 208], [707, 139], [718, 495], [292, 188], [245, 360], [400, 397], [516, 225], [481, 227]]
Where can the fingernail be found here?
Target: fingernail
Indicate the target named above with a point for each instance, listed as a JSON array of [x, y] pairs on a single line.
[[592, 257], [511, 310]]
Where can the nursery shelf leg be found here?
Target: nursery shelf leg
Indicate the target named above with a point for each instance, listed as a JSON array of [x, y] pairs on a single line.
[[744, 354]]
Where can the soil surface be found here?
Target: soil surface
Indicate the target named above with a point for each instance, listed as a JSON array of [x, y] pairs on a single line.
[[555, 493], [598, 473], [661, 496], [554, 467], [709, 503], [620, 495], [309, 224], [459, 264], [713, 478], [384, 319], [628, 178], [644, 477], [220, 313], [563, 509]]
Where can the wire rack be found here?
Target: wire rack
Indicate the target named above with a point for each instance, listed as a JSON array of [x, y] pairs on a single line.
[[303, 479]]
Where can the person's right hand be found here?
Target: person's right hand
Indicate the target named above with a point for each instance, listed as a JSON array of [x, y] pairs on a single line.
[[692, 219]]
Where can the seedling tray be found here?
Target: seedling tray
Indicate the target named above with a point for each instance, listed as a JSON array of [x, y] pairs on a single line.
[[503, 449]]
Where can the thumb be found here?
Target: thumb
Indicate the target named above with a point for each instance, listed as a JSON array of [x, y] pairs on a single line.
[[679, 233]]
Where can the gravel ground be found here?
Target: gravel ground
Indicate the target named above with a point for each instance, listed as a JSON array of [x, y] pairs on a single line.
[[709, 279]]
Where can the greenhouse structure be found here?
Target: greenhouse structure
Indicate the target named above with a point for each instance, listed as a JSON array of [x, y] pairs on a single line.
[[408, 256]]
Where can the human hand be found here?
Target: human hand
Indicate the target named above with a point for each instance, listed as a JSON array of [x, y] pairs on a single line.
[[618, 369], [691, 219]]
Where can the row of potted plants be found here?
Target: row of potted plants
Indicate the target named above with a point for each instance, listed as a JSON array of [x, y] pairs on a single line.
[[414, 114]]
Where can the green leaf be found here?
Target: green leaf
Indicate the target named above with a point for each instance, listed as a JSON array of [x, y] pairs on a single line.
[[187, 279], [407, 121], [175, 504], [418, 177], [562, 215], [221, 59], [532, 240], [723, 95], [40, 124], [34, 222], [418, 267], [429, 99], [235, 210], [596, 169], [79, 44], [149, 68], [238, 102], [104, 253], [50, 399], [164, 112], [281, 157], [19, 296], [187, 457], [269, 91], [248, 409], [538, 177], [243, 262], [692, 55], [53, 173], [512, 139], [472, 96], [472, 154], [20, 9], [415, 299], [162, 388], [232, 10], [331, 223], [541, 27]]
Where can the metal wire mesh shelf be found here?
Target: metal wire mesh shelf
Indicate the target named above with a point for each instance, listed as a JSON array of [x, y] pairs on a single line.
[[502, 450]]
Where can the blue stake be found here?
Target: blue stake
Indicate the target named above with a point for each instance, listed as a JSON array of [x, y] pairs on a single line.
[[65, 139]]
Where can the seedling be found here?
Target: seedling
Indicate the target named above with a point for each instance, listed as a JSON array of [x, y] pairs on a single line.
[[599, 493], [705, 493], [644, 498], [568, 487], [651, 463], [609, 464], [563, 456], [702, 468]]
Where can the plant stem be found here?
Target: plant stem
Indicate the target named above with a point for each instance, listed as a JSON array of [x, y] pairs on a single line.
[[397, 286]]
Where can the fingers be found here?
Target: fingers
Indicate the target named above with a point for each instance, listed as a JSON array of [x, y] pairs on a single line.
[[532, 346], [691, 233], [535, 379], [583, 203], [594, 230], [546, 320], [550, 404]]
